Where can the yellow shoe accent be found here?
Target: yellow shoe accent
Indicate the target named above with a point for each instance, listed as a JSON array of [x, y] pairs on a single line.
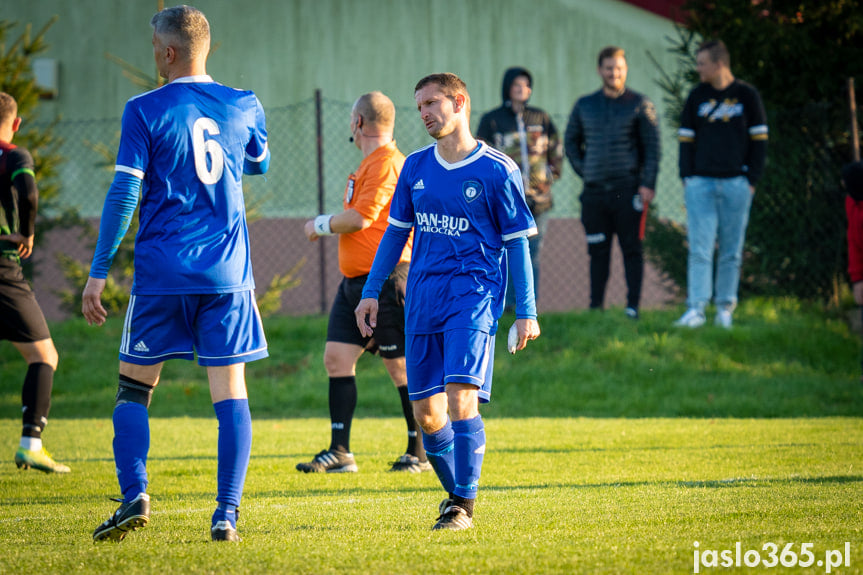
[[41, 460]]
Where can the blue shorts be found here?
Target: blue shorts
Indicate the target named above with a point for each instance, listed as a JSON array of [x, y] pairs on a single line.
[[454, 356], [223, 329]]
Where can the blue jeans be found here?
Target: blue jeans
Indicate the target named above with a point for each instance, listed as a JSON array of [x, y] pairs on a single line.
[[534, 245], [717, 209]]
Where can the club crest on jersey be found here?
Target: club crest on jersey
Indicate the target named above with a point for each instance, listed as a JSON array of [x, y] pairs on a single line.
[[471, 190]]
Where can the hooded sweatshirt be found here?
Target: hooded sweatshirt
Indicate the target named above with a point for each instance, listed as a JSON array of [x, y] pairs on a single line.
[[530, 139]]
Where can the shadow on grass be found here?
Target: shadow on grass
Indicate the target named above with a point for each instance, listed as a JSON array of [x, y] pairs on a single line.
[[703, 484], [388, 490], [629, 448]]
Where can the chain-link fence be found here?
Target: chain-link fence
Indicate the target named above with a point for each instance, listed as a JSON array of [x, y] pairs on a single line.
[[311, 160]]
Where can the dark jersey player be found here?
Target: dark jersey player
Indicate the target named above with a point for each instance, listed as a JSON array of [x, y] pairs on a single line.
[[21, 319]]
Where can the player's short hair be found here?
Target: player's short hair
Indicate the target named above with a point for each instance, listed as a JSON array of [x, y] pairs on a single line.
[[717, 50], [8, 108], [186, 27], [376, 108], [450, 84], [610, 52]]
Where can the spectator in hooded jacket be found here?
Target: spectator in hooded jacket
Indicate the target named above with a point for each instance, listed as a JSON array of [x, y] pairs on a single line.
[[528, 136]]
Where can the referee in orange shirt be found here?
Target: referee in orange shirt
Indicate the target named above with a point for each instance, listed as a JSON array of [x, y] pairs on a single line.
[[360, 228]]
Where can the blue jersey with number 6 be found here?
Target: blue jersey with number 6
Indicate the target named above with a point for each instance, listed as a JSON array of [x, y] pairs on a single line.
[[187, 141]]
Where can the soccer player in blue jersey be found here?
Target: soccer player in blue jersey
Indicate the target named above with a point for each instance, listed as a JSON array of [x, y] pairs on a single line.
[[184, 148], [465, 202]]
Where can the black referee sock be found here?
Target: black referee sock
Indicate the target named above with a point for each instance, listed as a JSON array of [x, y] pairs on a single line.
[[343, 402], [36, 398], [415, 447]]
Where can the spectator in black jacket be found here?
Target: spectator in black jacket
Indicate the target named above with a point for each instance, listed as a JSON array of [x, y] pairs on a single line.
[[612, 142], [528, 136], [723, 145]]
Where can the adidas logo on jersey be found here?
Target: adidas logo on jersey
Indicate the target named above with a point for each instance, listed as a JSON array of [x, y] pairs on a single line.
[[141, 346], [419, 185]]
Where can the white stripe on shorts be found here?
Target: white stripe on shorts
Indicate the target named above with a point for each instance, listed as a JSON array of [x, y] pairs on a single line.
[[124, 340]]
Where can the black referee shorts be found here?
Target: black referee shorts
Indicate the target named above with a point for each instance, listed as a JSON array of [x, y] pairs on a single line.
[[389, 336], [21, 318]]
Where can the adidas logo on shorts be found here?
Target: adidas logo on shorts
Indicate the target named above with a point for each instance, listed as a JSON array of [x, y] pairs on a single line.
[[141, 346]]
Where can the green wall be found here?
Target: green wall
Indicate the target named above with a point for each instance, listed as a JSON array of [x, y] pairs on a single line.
[[285, 49]]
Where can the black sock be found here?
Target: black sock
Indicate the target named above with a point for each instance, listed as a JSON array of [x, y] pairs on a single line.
[[343, 401], [36, 398], [415, 447], [466, 504]]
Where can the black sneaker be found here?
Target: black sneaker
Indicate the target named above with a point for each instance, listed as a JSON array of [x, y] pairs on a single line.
[[330, 462], [452, 517], [128, 517], [411, 464]]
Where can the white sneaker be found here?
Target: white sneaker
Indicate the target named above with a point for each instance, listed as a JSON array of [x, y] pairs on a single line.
[[692, 318], [723, 318]]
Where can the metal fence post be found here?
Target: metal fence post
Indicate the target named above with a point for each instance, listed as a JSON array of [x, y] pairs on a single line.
[[322, 252]]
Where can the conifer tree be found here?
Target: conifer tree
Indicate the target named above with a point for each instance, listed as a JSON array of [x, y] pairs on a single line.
[[18, 47]]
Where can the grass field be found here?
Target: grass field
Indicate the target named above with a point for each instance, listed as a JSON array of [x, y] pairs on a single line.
[[612, 448]]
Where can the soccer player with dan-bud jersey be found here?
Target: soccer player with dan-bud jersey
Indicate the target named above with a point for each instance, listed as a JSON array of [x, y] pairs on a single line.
[[465, 202]]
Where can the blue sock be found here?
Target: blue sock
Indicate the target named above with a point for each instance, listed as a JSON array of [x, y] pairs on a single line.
[[439, 450], [225, 512], [235, 447], [131, 445], [469, 451]]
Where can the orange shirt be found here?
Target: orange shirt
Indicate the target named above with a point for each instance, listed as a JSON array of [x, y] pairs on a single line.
[[369, 191]]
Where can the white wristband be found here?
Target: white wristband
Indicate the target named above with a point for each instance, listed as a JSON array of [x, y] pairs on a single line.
[[322, 225]]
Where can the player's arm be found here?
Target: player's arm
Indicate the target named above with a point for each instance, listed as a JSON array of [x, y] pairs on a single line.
[[24, 185], [388, 255], [257, 166], [518, 258], [257, 159], [120, 204]]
